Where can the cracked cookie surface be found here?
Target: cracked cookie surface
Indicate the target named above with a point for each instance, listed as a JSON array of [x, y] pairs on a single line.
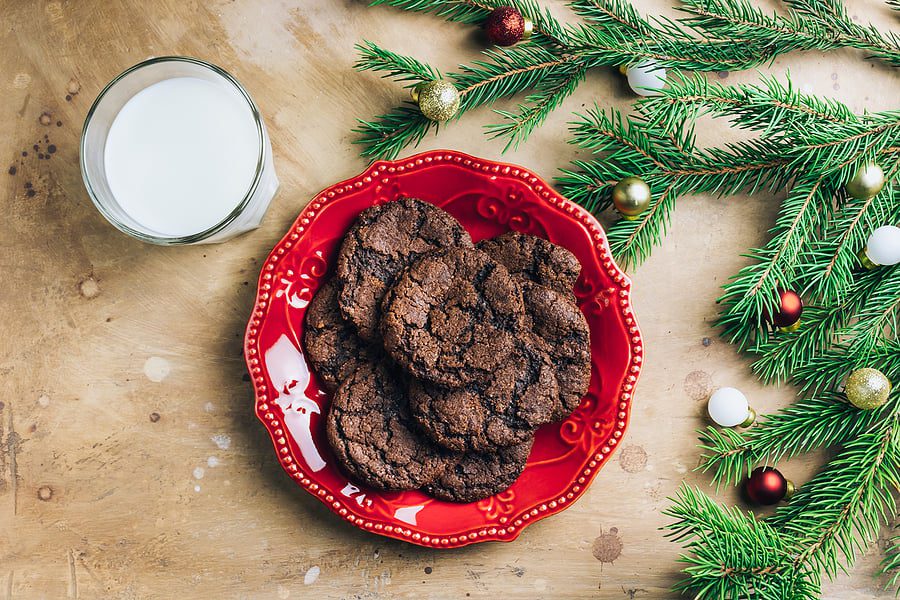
[[332, 345], [384, 240], [475, 476], [373, 437], [558, 321], [453, 317], [521, 395], [534, 259]]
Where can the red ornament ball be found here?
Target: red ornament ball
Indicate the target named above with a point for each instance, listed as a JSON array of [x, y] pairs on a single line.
[[766, 486], [505, 26], [790, 306]]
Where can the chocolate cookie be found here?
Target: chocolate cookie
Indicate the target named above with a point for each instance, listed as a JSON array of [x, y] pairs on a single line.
[[453, 317], [476, 476], [373, 437], [522, 394], [332, 345], [561, 325], [535, 259], [385, 240]]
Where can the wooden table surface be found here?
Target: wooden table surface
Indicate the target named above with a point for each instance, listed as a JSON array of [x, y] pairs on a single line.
[[131, 464]]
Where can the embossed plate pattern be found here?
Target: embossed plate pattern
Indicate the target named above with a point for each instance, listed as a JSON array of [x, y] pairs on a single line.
[[488, 198]]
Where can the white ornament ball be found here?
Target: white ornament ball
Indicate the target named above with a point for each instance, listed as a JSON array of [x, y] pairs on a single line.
[[646, 78], [728, 407], [883, 247]]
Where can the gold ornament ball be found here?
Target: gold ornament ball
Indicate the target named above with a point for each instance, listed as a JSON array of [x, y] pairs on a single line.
[[438, 100], [867, 388], [631, 197], [867, 182]]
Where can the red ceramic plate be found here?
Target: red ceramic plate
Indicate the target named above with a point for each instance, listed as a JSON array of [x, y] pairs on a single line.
[[488, 198]]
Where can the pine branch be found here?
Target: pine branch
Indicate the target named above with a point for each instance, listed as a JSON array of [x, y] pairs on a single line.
[[840, 511], [390, 133], [734, 36], [670, 49], [770, 107], [783, 355], [536, 109], [509, 71], [671, 166], [834, 152], [732, 555], [830, 368], [396, 66], [826, 268], [752, 292], [811, 25]]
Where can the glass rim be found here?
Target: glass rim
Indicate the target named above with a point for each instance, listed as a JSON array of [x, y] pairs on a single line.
[[234, 214]]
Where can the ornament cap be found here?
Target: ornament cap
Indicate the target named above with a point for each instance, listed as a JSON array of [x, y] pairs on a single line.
[[751, 417], [790, 489], [414, 92], [867, 262], [527, 29], [792, 327]]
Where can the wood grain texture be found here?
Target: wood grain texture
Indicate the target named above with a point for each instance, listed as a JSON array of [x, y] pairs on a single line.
[[131, 465]]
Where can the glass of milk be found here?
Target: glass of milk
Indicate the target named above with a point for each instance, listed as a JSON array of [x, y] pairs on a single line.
[[174, 151]]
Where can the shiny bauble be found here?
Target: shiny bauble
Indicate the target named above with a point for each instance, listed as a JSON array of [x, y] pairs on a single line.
[[728, 407], [788, 310], [505, 26], [767, 486], [438, 100], [866, 182], [631, 196], [867, 388], [646, 78]]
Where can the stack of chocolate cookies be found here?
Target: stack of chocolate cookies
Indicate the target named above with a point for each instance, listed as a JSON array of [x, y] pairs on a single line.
[[444, 356]]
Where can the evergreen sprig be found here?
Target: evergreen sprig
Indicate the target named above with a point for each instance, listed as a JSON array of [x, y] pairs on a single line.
[[733, 555], [840, 511], [714, 35]]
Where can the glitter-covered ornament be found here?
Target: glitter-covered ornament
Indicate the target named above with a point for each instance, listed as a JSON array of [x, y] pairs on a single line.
[[438, 100], [506, 26], [867, 388]]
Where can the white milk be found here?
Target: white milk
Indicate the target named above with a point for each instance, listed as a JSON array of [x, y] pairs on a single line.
[[181, 155]]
